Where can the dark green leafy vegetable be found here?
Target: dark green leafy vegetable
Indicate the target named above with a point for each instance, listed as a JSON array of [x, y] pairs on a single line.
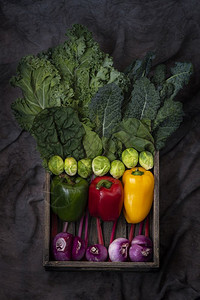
[[58, 131], [135, 133], [159, 75], [84, 67], [181, 74], [140, 67], [145, 100], [130, 133], [168, 119], [105, 109], [39, 81], [91, 143]]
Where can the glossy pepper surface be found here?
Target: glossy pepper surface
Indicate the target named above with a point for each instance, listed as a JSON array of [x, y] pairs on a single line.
[[69, 197], [105, 198], [138, 194]]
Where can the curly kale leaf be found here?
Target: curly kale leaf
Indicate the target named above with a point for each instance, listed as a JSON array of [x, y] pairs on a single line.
[[58, 131], [145, 100], [39, 82], [84, 67], [105, 109], [168, 119]]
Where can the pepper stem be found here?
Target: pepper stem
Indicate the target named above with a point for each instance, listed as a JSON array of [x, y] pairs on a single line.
[[67, 178], [137, 172], [104, 183]]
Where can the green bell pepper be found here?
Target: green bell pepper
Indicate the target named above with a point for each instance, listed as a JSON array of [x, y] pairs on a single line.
[[69, 197]]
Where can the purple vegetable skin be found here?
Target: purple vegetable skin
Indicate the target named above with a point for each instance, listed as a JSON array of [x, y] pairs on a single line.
[[96, 253], [62, 246], [118, 250], [141, 249], [78, 248]]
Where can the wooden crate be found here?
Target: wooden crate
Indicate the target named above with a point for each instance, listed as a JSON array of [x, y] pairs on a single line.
[[122, 230]]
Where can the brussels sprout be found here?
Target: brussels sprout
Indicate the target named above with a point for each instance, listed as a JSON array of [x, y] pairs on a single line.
[[70, 166], [56, 165], [130, 157], [146, 160], [117, 169], [100, 165], [85, 167]]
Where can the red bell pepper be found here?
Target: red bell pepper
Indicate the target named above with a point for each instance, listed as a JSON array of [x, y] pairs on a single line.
[[105, 198]]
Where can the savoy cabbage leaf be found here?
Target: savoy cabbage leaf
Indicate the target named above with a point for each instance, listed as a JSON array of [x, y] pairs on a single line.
[[91, 143], [140, 67], [168, 119], [105, 109], [144, 102], [39, 82], [181, 74], [58, 131]]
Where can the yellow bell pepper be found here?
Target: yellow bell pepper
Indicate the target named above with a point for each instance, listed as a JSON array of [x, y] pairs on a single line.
[[138, 194]]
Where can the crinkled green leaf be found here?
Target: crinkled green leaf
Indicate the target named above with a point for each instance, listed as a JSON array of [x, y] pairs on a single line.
[[112, 148], [58, 131], [40, 84], [140, 67], [134, 133], [105, 109], [85, 67], [129, 133], [145, 100], [91, 143], [159, 74], [168, 119], [181, 74]]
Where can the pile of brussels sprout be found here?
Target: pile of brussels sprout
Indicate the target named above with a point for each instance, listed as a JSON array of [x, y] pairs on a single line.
[[101, 165]]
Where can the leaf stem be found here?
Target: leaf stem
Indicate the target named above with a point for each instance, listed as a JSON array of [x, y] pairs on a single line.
[[81, 226], [131, 232], [65, 225], [86, 228], [147, 227], [99, 230], [113, 231], [140, 228]]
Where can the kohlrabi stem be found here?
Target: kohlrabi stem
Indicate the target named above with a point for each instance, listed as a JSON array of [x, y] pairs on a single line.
[[65, 225], [140, 228], [100, 235], [147, 227], [54, 225], [113, 231], [81, 226], [86, 228], [131, 232]]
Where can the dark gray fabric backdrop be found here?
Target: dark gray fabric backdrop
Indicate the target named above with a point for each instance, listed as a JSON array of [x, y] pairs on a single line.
[[126, 30]]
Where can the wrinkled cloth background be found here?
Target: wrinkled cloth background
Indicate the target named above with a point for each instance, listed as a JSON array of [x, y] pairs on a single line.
[[126, 30]]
